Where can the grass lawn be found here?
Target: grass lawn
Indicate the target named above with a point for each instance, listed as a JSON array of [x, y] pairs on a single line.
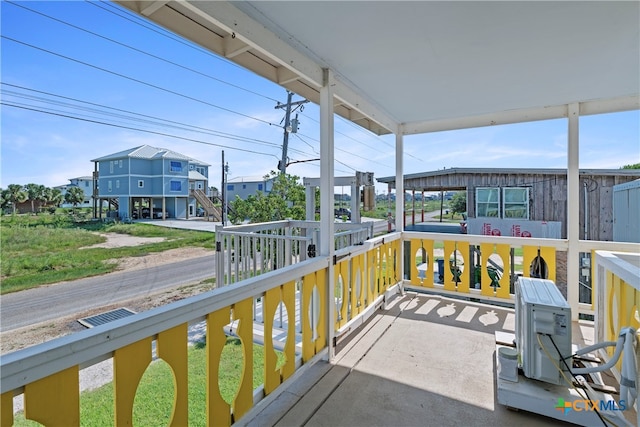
[[41, 249], [154, 399]]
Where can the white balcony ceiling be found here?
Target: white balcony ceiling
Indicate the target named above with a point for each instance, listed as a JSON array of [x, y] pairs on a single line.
[[413, 67]]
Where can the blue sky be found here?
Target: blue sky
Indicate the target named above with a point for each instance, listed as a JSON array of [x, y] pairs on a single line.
[[85, 60]]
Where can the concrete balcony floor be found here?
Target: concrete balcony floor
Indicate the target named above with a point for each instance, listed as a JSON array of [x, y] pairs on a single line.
[[425, 361]]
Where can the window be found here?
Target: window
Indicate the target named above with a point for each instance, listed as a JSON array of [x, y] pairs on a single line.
[[259, 187], [191, 167], [487, 202], [117, 183], [244, 186], [111, 166], [175, 167], [109, 186], [230, 187], [516, 202], [86, 183], [140, 183], [120, 164], [176, 186]]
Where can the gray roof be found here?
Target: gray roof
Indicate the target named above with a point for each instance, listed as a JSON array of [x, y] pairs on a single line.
[[150, 153], [247, 179], [197, 176], [512, 171]]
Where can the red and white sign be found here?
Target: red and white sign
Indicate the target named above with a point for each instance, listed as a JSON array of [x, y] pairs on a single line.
[[514, 228]]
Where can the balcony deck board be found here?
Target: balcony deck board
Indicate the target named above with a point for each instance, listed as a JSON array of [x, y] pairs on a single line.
[[417, 363]]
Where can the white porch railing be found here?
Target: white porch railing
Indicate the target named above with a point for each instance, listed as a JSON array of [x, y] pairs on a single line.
[[245, 251]]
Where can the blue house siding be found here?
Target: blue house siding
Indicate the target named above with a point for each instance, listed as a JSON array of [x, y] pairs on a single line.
[[141, 167], [136, 190], [158, 175], [247, 188]]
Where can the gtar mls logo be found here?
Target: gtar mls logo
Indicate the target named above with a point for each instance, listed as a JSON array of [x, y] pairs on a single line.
[[581, 405]]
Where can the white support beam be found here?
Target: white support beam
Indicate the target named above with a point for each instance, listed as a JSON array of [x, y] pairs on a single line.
[[327, 223], [347, 96], [310, 202], [501, 118], [573, 209], [355, 203], [230, 17], [400, 197], [234, 47], [338, 181], [615, 105], [285, 76], [605, 106], [399, 182], [152, 7]]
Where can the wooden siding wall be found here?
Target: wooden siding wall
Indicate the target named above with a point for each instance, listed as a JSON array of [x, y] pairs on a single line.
[[547, 196]]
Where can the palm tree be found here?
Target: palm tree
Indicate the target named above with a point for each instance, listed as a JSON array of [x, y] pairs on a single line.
[[15, 194], [52, 197], [74, 195], [34, 192]]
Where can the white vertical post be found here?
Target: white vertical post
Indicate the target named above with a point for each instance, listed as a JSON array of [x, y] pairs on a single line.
[[355, 203], [399, 181], [310, 202], [400, 195], [573, 209], [327, 224]]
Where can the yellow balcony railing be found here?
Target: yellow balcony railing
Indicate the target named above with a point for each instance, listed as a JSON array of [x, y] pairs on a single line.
[[358, 277], [618, 296], [537, 257], [48, 374]]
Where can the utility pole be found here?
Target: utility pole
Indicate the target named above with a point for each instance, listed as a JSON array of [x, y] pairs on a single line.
[[290, 126]]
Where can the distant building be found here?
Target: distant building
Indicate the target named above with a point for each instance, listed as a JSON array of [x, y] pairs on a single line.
[[245, 186], [498, 196], [154, 177], [85, 183]]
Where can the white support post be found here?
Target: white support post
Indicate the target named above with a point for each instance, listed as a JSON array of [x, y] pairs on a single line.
[[399, 182], [355, 203], [327, 223], [310, 200], [573, 209], [400, 196]]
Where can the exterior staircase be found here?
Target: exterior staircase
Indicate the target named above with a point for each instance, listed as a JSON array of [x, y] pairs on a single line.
[[211, 212]]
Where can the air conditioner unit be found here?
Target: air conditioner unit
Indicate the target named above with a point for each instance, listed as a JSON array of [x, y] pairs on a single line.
[[543, 330]]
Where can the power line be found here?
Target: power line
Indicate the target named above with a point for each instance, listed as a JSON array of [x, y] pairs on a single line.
[[352, 154], [141, 51], [136, 129], [137, 80], [360, 129], [197, 128], [135, 19], [180, 125], [161, 59]]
